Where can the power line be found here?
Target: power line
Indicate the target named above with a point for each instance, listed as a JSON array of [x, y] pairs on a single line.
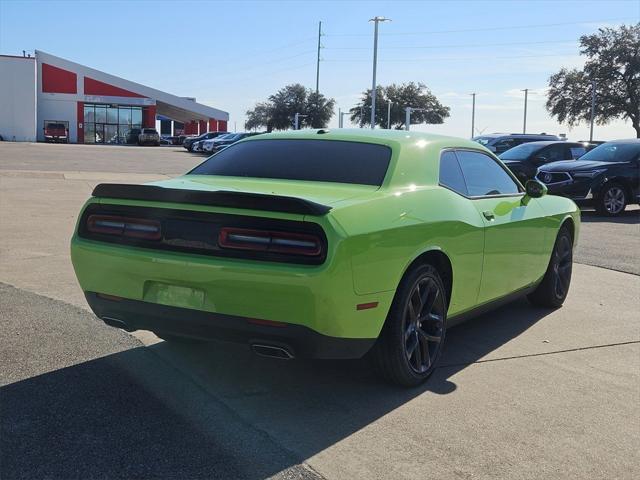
[[421, 59], [485, 29], [468, 45]]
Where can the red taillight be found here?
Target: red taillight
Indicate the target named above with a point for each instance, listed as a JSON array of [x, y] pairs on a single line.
[[124, 226], [270, 241]]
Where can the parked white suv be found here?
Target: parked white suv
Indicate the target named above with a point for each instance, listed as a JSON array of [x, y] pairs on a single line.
[[149, 136]]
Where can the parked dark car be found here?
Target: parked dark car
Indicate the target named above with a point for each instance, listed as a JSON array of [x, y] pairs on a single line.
[[501, 142], [215, 145], [607, 177], [524, 160], [132, 135], [168, 140], [189, 141]]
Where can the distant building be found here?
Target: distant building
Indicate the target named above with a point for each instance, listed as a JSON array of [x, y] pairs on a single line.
[[95, 107]]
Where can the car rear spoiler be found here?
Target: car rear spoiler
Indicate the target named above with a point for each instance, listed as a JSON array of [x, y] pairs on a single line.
[[220, 198]]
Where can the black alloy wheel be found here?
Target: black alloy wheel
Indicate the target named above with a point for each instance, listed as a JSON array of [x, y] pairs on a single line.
[[552, 291], [423, 325], [412, 338], [562, 266]]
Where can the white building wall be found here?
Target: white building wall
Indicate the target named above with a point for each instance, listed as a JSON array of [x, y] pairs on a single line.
[[18, 99]]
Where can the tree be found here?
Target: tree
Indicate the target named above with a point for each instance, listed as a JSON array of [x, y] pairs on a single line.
[[414, 95], [613, 61], [278, 112], [258, 117]]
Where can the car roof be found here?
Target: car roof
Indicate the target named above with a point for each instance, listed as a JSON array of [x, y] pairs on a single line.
[[545, 143], [516, 135], [629, 140], [363, 135]]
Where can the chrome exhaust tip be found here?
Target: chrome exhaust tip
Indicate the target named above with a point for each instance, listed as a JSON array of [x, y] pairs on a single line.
[[272, 351]]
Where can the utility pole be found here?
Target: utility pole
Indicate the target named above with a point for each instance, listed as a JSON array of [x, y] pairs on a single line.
[[593, 108], [318, 60], [473, 115], [389, 115], [375, 20], [526, 94]]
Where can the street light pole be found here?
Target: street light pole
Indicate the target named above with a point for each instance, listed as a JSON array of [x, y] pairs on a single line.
[[389, 115], [296, 120], [473, 115], [375, 20], [526, 94], [593, 108], [407, 118], [318, 59], [342, 114]]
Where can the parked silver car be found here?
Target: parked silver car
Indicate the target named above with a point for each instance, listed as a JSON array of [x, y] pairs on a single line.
[[149, 136]]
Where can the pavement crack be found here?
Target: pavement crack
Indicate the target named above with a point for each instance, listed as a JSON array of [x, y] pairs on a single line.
[[541, 354]]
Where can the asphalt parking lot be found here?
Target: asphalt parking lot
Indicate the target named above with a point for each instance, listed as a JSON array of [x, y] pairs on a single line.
[[521, 392]]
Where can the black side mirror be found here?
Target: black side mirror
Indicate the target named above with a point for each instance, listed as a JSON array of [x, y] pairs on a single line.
[[535, 189]]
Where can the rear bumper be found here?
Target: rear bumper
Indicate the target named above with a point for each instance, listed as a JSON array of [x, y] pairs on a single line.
[[320, 298], [299, 340]]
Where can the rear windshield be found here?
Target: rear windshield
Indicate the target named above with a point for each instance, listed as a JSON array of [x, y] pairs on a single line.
[[149, 130], [309, 160], [613, 152], [55, 125]]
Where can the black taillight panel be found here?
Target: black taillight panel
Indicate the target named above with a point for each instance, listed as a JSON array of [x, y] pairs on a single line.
[[201, 233]]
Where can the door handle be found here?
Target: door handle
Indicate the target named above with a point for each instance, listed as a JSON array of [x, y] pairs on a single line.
[[489, 215]]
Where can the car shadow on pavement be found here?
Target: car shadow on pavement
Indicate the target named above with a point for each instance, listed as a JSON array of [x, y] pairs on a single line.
[[628, 217], [179, 411]]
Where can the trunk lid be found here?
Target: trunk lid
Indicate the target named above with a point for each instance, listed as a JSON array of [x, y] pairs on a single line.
[[325, 193]]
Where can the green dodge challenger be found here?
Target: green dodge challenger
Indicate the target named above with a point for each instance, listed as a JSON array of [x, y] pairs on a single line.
[[326, 244]]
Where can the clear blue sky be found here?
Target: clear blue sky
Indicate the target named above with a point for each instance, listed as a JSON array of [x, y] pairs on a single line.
[[232, 54]]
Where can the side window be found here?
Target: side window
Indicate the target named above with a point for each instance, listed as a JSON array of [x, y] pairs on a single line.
[[450, 173], [504, 145], [575, 152], [484, 176], [554, 153]]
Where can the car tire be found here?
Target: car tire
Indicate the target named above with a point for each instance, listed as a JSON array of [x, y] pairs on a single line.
[[410, 344], [612, 200], [178, 339], [552, 291]]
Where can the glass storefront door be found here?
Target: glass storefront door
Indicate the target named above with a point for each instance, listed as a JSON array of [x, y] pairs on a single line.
[[111, 133], [99, 133], [110, 123]]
